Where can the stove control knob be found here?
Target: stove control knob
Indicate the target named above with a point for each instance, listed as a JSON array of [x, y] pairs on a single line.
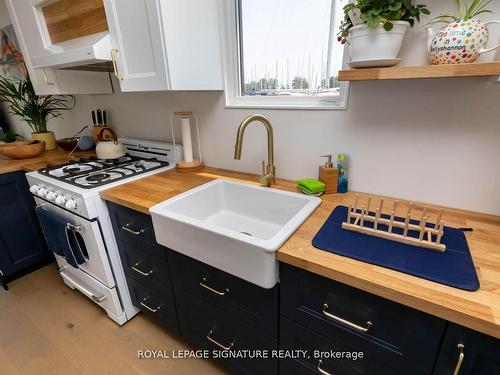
[[42, 192], [70, 204], [60, 199], [51, 196], [34, 189]]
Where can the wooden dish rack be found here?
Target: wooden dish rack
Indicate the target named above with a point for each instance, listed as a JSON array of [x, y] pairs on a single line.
[[429, 237]]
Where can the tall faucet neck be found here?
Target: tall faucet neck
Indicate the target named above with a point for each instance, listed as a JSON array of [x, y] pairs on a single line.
[[270, 170], [241, 132]]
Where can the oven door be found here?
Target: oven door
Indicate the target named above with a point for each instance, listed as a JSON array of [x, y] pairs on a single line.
[[90, 243]]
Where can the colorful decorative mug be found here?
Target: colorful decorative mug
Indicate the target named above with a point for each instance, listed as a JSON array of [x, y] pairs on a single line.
[[459, 42]]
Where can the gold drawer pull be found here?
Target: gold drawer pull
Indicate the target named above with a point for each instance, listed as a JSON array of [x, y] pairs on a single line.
[[136, 269], [320, 370], [223, 347], [126, 228], [114, 51], [149, 308], [203, 283], [346, 322], [461, 357]]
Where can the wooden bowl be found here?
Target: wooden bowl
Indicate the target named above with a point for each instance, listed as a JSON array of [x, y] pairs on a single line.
[[67, 144], [22, 149]]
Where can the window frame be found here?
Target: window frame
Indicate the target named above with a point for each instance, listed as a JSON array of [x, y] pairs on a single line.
[[230, 15]]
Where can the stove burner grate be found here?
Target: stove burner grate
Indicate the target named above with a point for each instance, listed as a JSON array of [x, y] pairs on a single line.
[[111, 161], [89, 173], [97, 178], [71, 170]]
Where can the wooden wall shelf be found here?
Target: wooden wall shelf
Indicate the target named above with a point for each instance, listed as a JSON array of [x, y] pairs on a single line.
[[480, 69]]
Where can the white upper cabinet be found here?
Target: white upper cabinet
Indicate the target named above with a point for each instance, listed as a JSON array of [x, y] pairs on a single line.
[[35, 43], [165, 44], [149, 44], [136, 31]]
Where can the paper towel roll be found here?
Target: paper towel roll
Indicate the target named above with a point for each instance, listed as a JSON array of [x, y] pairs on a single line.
[[187, 144]]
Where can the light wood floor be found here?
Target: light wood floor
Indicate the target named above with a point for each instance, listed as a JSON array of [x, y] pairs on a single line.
[[47, 328]]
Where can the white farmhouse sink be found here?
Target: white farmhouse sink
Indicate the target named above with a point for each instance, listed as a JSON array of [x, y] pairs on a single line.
[[232, 226]]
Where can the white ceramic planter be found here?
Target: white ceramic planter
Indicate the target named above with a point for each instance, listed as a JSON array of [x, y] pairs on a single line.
[[377, 44]]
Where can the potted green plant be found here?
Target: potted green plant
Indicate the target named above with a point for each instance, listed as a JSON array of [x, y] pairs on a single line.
[[33, 109], [464, 37], [375, 29]]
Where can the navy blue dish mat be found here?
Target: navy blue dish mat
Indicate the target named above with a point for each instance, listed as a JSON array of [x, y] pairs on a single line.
[[454, 267]]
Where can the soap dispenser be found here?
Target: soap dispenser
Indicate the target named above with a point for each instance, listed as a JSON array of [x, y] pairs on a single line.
[[329, 175]]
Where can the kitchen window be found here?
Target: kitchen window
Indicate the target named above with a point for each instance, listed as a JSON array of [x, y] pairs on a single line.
[[283, 54]]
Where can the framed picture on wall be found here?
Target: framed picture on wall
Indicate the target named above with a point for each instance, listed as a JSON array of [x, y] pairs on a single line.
[[11, 58]]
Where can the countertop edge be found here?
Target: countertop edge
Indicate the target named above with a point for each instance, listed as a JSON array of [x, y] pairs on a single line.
[[121, 202]]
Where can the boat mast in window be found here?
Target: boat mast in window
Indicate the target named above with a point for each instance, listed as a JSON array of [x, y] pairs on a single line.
[[288, 47]]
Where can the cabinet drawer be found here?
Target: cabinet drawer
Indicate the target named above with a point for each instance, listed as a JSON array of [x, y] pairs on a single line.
[[208, 327], [132, 226], [399, 336], [250, 303], [150, 270], [478, 354], [295, 337], [160, 306]]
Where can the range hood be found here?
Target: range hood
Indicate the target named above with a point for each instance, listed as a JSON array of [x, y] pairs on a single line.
[[88, 51]]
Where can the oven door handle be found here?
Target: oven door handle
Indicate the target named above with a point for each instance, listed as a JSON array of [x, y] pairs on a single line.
[[71, 229], [83, 289]]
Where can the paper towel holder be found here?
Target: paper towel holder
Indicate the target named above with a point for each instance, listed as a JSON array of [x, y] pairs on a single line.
[[188, 161]]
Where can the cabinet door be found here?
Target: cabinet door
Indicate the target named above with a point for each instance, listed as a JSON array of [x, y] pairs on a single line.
[[48, 81], [466, 352], [137, 31], [21, 241], [193, 45]]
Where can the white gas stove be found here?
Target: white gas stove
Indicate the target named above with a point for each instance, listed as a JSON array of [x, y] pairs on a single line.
[[68, 196]]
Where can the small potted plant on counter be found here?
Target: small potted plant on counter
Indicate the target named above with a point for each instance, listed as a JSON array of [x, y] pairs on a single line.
[[33, 109], [464, 38], [375, 29]]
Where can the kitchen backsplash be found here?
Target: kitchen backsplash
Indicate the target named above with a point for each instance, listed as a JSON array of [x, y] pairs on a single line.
[[427, 140]]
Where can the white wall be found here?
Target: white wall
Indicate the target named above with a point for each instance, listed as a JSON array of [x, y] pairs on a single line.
[[4, 15], [436, 141]]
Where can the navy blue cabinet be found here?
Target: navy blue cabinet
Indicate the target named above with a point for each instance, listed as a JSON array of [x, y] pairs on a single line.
[[397, 336], [145, 265], [218, 311], [319, 358], [466, 352], [209, 327], [22, 245], [250, 303]]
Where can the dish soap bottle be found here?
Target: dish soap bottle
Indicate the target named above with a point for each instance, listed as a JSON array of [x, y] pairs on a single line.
[[329, 175], [343, 185]]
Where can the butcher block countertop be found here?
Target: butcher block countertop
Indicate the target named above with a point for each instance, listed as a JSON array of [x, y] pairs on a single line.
[[47, 158], [478, 310]]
